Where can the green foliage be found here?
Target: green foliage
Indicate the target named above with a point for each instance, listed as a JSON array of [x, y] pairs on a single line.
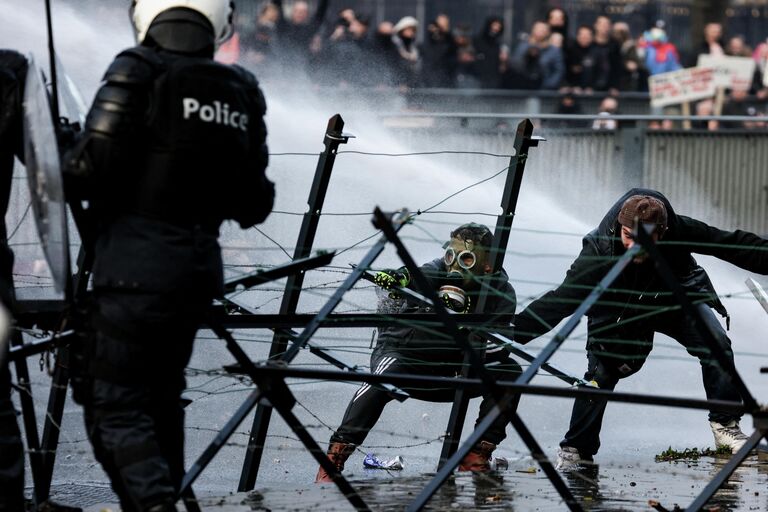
[[692, 454]]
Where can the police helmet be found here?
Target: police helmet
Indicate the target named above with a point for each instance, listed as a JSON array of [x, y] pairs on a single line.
[[218, 12]]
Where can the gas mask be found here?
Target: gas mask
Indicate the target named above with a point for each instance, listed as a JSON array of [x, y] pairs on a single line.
[[464, 262]]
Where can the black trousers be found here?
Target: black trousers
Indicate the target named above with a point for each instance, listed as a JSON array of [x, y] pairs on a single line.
[[366, 406], [587, 415], [133, 415], [11, 449]]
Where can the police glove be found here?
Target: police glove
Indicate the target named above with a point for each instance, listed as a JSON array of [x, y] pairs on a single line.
[[389, 279], [66, 135]]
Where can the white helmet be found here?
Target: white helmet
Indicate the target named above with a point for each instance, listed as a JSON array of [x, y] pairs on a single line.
[[218, 12]]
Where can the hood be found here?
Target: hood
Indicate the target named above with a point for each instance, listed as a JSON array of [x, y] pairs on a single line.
[[607, 231], [486, 33]]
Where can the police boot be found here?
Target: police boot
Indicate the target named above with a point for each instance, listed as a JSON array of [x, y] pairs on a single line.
[[479, 459], [338, 453]]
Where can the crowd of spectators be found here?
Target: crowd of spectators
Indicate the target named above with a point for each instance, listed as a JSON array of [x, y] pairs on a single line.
[[344, 49]]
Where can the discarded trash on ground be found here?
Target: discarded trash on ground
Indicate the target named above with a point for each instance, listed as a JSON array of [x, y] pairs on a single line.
[[373, 462]]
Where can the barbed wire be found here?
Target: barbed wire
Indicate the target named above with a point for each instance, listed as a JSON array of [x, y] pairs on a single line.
[[218, 382]]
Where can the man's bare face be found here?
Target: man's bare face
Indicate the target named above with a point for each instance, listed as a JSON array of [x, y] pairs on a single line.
[[713, 31], [584, 37], [300, 13], [628, 240], [443, 22]]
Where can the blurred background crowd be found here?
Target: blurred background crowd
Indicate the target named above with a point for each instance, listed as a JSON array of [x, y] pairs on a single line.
[[567, 49], [349, 46]]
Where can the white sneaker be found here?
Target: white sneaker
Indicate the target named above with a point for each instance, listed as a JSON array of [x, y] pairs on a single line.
[[568, 458], [729, 435]]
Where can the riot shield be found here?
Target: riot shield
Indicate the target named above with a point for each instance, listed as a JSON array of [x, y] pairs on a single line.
[[71, 105], [46, 187]]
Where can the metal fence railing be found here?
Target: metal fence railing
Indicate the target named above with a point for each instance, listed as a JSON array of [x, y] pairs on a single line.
[[719, 177]]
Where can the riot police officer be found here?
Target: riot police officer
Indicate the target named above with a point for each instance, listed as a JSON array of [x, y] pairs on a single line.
[[13, 70], [173, 145]]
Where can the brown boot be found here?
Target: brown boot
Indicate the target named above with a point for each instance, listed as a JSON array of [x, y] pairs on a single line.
[[338, 453], [479, 459]]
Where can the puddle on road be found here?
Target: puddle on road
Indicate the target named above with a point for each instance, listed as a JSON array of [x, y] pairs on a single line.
[[525, 487]]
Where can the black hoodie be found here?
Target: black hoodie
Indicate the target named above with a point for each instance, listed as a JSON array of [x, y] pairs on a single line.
[[638, 289], [487, 49], [435, 343]]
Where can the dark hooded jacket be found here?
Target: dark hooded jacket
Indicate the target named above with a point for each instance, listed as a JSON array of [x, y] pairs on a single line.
[[638, 290], [487, 50], [440, 59], [293, 39], [436, 344]]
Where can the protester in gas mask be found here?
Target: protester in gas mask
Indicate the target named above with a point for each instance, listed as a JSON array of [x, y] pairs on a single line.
[[638, 304], [173, 145], [457, 277]]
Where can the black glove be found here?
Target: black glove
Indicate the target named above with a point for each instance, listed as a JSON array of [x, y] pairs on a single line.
[[66, 134]]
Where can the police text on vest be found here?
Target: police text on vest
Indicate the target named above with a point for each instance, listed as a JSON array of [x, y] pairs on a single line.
[[218, 113]]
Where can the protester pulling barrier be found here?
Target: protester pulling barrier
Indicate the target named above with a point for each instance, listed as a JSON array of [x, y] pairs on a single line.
[[503, 400], [521, 385]]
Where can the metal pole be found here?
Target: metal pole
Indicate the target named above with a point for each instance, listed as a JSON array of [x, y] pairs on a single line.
[[76, 290], [546, 466], [410, 381], [29, 418], [523, 141], [417, 299], [724, 474], [282, 398], [52, 64], [55, 412], [332, 139], [572, 322], [526, 377], [314, 324], [298, 342], [442, 475], [421, 15]]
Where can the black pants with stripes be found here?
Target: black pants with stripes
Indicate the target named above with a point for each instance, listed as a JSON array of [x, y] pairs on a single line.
[[368, 403]]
